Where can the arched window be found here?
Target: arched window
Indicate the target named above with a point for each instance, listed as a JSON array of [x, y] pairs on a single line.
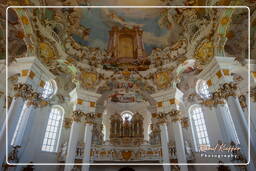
[[49, 89], [53, 130], [198, 126], [202, 89], [126, 115]]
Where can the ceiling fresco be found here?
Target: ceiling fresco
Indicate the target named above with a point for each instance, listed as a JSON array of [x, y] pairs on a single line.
[[74, 43], [155, 34]]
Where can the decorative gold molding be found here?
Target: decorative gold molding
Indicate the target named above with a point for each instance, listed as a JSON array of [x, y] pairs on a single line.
[[89, 118], [228, 89], [242, 101], [185, 122], [162, 118], [253, 94], [67, 123], [77, 115], [175, 115], [23, 90], [37, 100]]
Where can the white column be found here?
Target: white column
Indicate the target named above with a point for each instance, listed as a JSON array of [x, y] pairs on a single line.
[[165, 149], [227, 133], [87, 146], [72, 144], [241, 128], [179, 144], [12, 119]]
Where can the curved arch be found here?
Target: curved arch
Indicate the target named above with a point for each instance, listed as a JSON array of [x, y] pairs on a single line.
[[126, 114], [202, 89], [50, 89]]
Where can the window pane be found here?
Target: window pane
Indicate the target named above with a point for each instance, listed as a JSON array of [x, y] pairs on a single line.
[[199, 126], [52, 130]]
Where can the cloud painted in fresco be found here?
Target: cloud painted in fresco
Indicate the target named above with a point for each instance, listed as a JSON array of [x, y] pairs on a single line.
[[100, 22], [98, 43], [151, 39]]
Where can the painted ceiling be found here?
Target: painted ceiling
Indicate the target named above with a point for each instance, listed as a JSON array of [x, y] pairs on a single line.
[[71, 42], [100, 21]]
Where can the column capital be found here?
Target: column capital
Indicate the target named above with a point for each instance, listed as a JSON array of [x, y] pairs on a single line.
[[162, 118], [89, 118], [77, 115], [215, 99], [37, 100], [175, 115], [228, 89], [23, 90]]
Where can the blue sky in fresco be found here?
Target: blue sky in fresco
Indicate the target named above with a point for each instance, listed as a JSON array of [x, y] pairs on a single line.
[[100, 25]]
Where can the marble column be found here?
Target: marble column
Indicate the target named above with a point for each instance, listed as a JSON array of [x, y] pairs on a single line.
[[179, 141], [228, 134], [87, 146], [73, 140], [165, 149], [85, 102], [12, 120]]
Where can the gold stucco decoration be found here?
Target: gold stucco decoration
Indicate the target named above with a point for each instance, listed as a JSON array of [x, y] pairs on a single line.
[[205, 52]]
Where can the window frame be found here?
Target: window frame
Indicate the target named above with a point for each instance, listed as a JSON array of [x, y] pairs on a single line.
[[52, 129], [198, 128]]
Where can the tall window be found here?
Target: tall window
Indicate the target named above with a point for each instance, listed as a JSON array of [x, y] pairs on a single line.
[[53, 130], [198, 126], [48, 89], [202, 89]]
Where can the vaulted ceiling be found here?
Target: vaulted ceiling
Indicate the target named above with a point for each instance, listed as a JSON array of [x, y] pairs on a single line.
[[72, 42]]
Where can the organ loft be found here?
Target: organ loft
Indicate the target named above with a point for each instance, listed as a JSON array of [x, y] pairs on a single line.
[[126, 129]]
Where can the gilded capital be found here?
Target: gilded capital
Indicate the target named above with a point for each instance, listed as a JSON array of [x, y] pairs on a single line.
[[89, 118], [228, 89], [162, 118], [77, 115], [214, 100], [37, 100], [175, 115], [23, 90]]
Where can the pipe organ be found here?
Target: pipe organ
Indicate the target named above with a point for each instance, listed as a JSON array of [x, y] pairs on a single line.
[[125, 131]]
